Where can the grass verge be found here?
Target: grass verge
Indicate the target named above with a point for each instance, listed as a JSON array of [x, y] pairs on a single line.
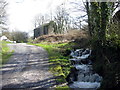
[[58, 59], [5, 52]]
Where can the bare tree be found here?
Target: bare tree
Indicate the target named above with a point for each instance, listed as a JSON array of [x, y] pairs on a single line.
[[41, 19], [38, 20], [80, 11], [2, 11], [3, 5], [61, 18]]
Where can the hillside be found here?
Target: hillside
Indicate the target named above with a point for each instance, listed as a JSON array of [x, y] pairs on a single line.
[[73, 35]]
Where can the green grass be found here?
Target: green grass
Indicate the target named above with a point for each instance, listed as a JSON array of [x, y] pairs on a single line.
[[60, 64], [5, 52], [62, 88]]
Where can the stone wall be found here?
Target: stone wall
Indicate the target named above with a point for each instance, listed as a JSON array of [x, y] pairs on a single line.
[[41, 30]]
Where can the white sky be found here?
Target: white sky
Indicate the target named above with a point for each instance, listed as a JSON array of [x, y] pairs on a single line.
[[22, 12]]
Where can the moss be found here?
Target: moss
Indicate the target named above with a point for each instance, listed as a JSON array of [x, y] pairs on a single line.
[[57, 70], [61, 79], [62, 88]]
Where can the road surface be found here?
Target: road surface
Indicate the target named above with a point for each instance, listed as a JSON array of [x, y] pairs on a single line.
[[28, 68]]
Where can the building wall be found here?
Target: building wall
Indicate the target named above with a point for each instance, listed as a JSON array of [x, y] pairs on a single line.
[[41, 30], [45, 29]]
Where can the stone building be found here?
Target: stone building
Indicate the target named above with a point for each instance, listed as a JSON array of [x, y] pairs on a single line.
[[41, 30], [45, 29]]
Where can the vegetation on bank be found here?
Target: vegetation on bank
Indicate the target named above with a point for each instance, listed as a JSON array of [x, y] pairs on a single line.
[[104, 30], [58, 59], [106, 62], [5, 52]]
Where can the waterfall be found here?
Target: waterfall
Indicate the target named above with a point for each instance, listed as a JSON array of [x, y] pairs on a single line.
[[82, 75]]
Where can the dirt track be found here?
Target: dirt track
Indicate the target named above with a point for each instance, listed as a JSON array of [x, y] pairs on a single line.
[[28, 68]]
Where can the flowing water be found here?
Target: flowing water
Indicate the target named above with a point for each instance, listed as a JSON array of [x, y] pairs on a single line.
[[85, 77]]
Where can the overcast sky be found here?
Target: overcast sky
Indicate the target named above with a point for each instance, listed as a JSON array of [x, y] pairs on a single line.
[[22, 12]]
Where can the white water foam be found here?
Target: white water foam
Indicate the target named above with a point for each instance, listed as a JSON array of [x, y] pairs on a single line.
[[77, 84], [81, 67], [86, 77], [83, 56]]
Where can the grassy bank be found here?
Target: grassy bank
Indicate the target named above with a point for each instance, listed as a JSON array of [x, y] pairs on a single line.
[[58, 59], [5, 52]]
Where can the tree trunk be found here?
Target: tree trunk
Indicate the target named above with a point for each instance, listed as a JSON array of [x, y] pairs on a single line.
[[104, 21], [89, 19]]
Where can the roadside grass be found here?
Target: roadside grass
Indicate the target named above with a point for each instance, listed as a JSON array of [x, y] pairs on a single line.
[[5, 52], [59, 61], [62, 88]]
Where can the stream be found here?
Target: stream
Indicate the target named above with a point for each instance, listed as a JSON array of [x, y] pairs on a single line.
[[82, 74]]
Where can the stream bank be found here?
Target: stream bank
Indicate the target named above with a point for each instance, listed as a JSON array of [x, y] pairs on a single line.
[[82, 74], [107, 64]]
